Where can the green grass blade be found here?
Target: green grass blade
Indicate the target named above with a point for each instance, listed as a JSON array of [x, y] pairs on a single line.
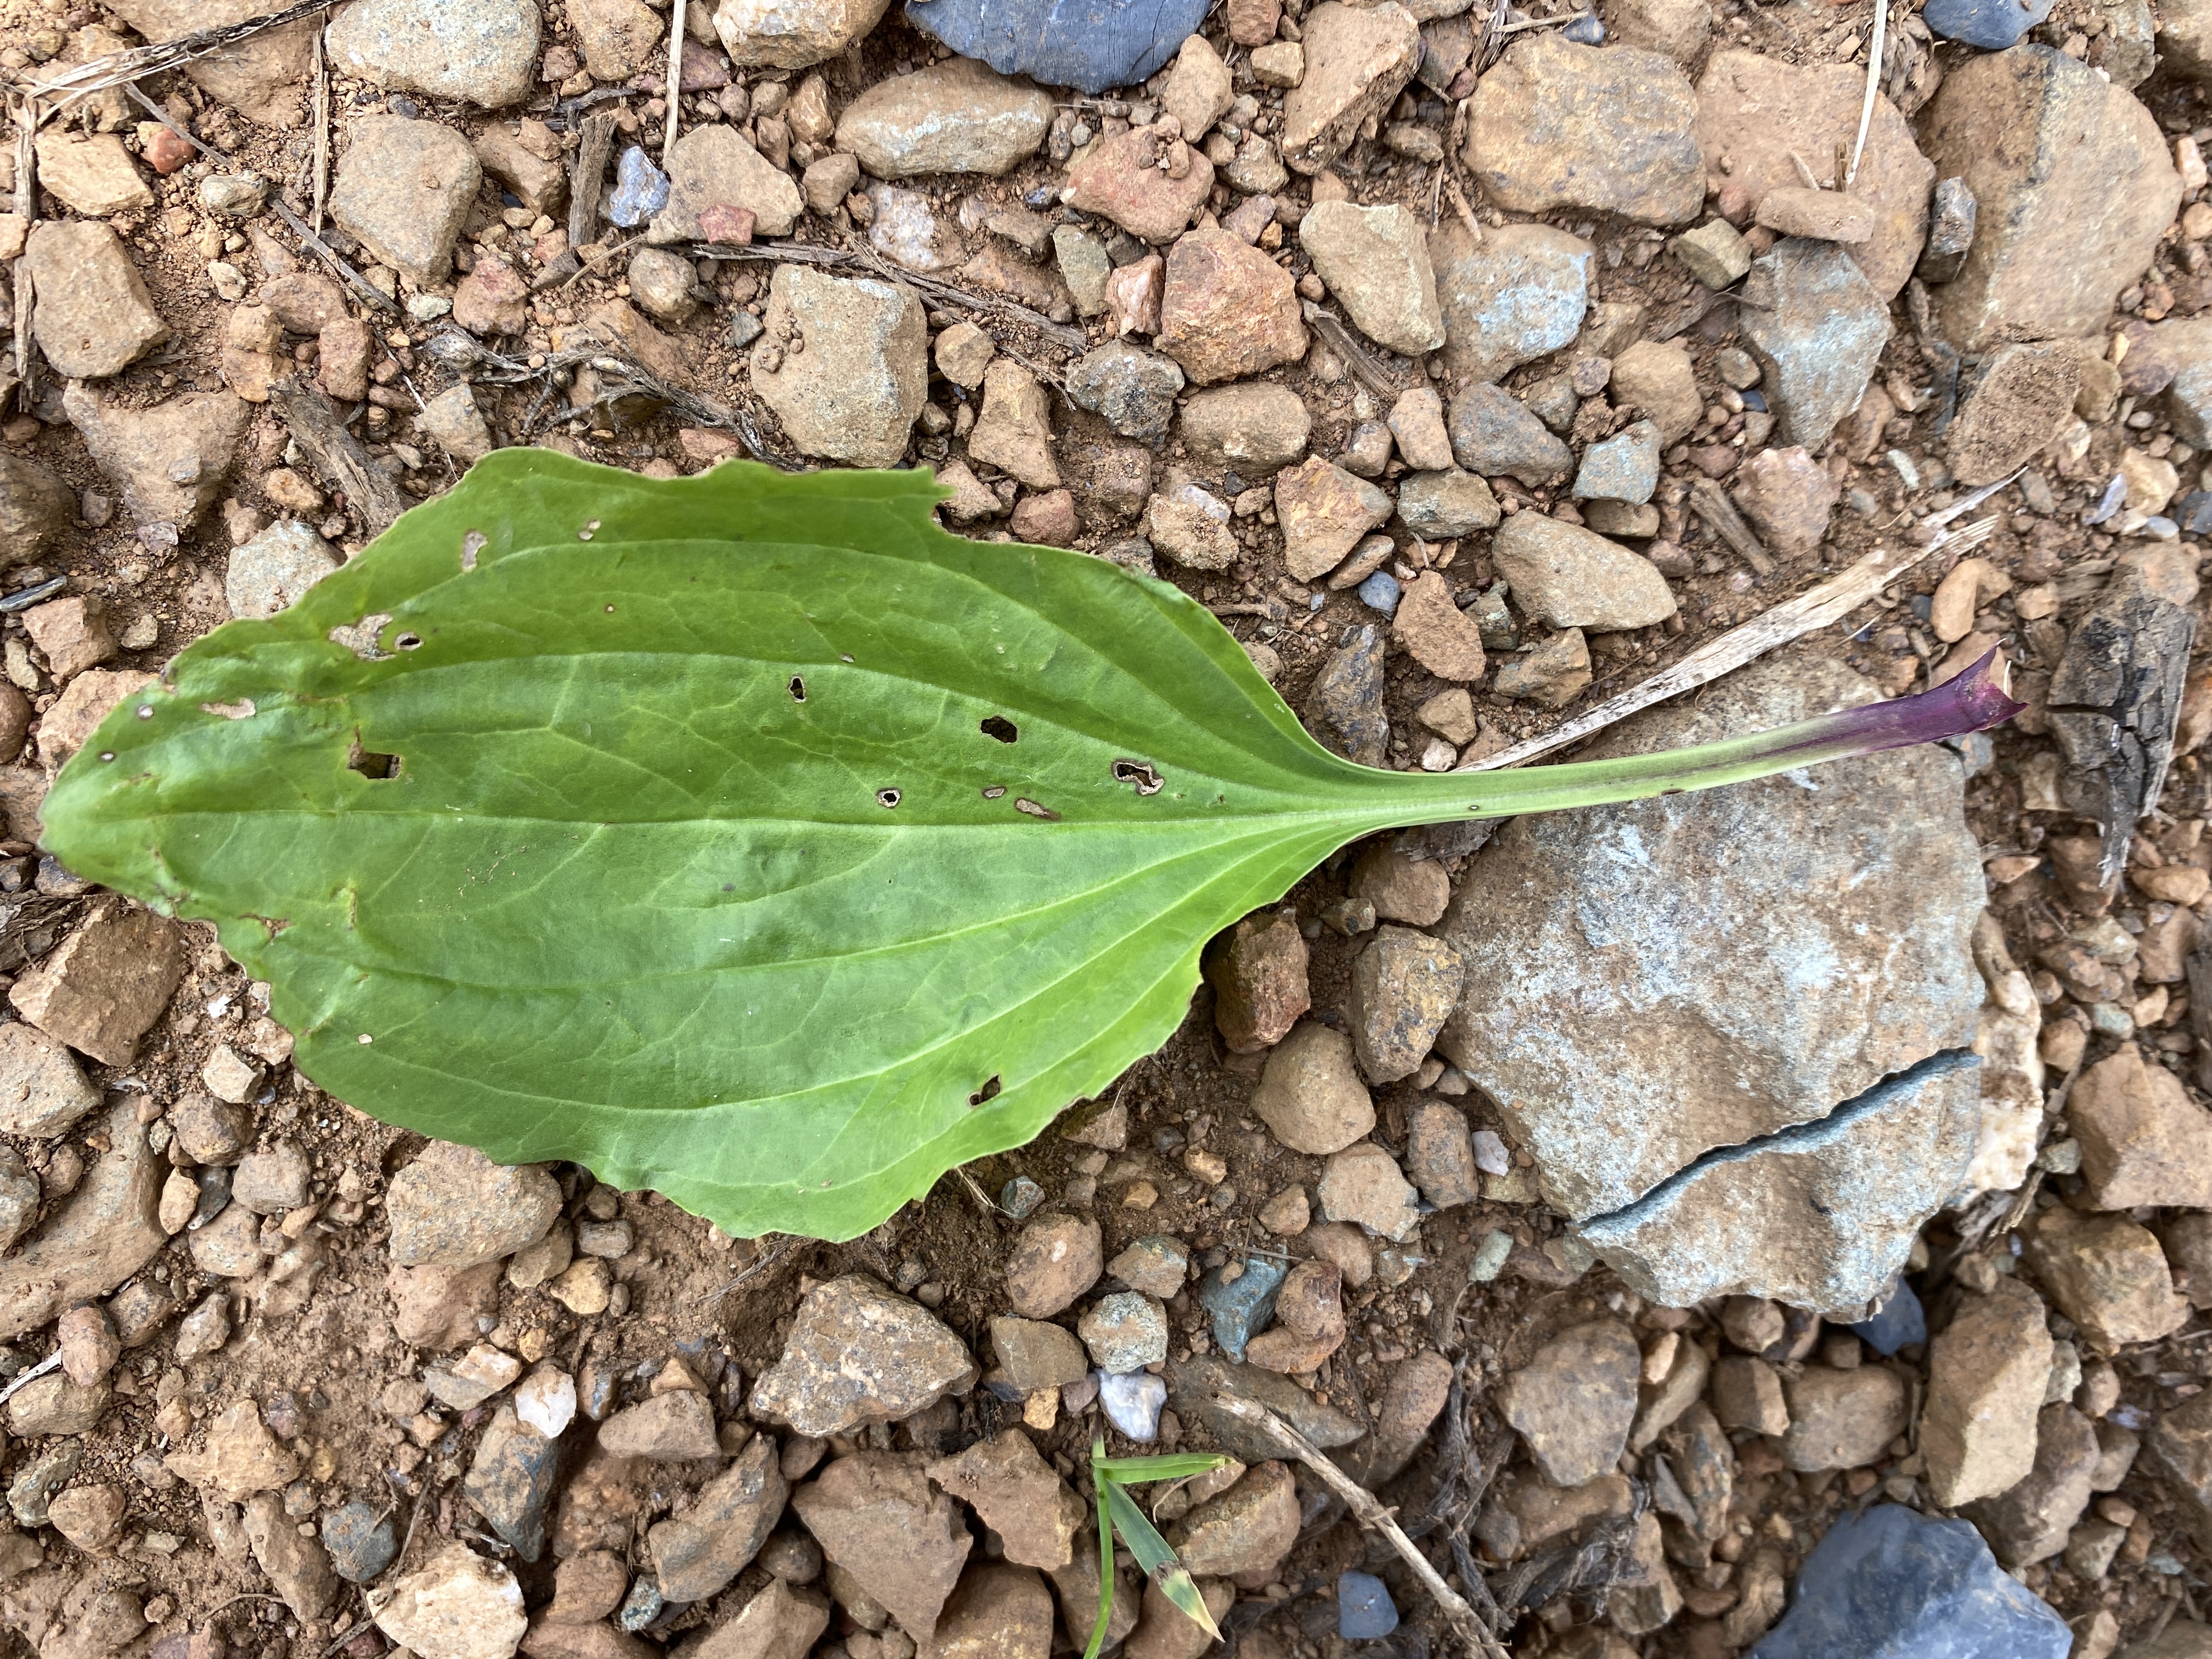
[[1173, 1466], [1100, 1486], [1158, 1560]]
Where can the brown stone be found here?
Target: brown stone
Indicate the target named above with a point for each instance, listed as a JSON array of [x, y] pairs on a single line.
[[1056, 1259], [2023, 396], [1434, 630], [877, 1516], [104, 986], [1227, 310], [1018, 1496], [443, 1308], [2106, 1274], [1248, 1528], [1789, 497], [2144, 1142], [95, 317], [1258, 973], [1754, 110], [72, 632], [1120, 178], [1555, 125], [1842, 1419], [1575, 1400], [1357, 60], [1324, 511], [1311, 1097], [1986, 1376], [492, 299], [2074, 187]]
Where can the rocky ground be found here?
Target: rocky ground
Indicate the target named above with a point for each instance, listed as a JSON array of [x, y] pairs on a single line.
[[1621, 1198]]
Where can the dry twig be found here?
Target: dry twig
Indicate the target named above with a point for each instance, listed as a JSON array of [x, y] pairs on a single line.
[[1815, 608], [337, 454], [321, 193], [120, 69], [1712, 504], [367, 292], [1342, 342], [1457, 1613], [1873, 86]]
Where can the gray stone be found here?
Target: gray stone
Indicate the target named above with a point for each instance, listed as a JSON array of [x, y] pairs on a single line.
[[1346, 711], [1132, 390], [1951, 218], [1624, 468], [853, 394], [483, 51], [1714, 253], [1070, 43], [1563, 575], [955, 116], [1440, 1155], [267, 573], [1518, 295], [1991, 25], [1820, 1215], [858, 1355], [1193, 1384], [42, 1089], [1494, 434], [359, 1543], [510, 1480], [404, 189], [1375, 262], [1817, 328], [698, 1552], [1752, 956], [1084, 267], [1124, 1331], [1440, 506]]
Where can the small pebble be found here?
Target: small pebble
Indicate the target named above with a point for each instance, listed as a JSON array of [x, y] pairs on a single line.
[[1365, 1611], [1380, 592], [1132, 1403]]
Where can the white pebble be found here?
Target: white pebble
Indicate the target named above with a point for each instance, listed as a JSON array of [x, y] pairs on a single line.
[[547, 1401], [1132, 1403], [1490, 1154]]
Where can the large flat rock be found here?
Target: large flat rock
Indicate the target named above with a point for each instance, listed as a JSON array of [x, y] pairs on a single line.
[[1649, 983]]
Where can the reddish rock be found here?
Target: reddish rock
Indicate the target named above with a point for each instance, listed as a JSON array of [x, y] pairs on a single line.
[[1122, 179], [1440, 637], [1324, 511], [492, 299], [1258, 972], [1049, 519], [1228, 310]]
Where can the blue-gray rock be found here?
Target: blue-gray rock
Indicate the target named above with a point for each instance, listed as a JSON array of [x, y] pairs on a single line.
[[1898, 1324], [1992, 25], [1519, 294], [2195, 512], [1240, 1308], [1624, 468], [641, 1606], [1950, 231], [38, 1480], [1131, 1402], [1345, 712], [1494, 434], [1365, 1611], [1132, 390], [1195, 1384], [360, 1541], [1817, 327], [1380, 592], [511, 1481], [640, 189], [1091, 45], [1889, 1584], [1020, 1197]]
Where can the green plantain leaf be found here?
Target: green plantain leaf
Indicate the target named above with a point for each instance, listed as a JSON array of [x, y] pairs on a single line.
[[1168, 1466], [747, 837]]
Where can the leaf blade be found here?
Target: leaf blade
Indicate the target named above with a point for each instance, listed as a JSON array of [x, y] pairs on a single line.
[[1158, 1560]]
